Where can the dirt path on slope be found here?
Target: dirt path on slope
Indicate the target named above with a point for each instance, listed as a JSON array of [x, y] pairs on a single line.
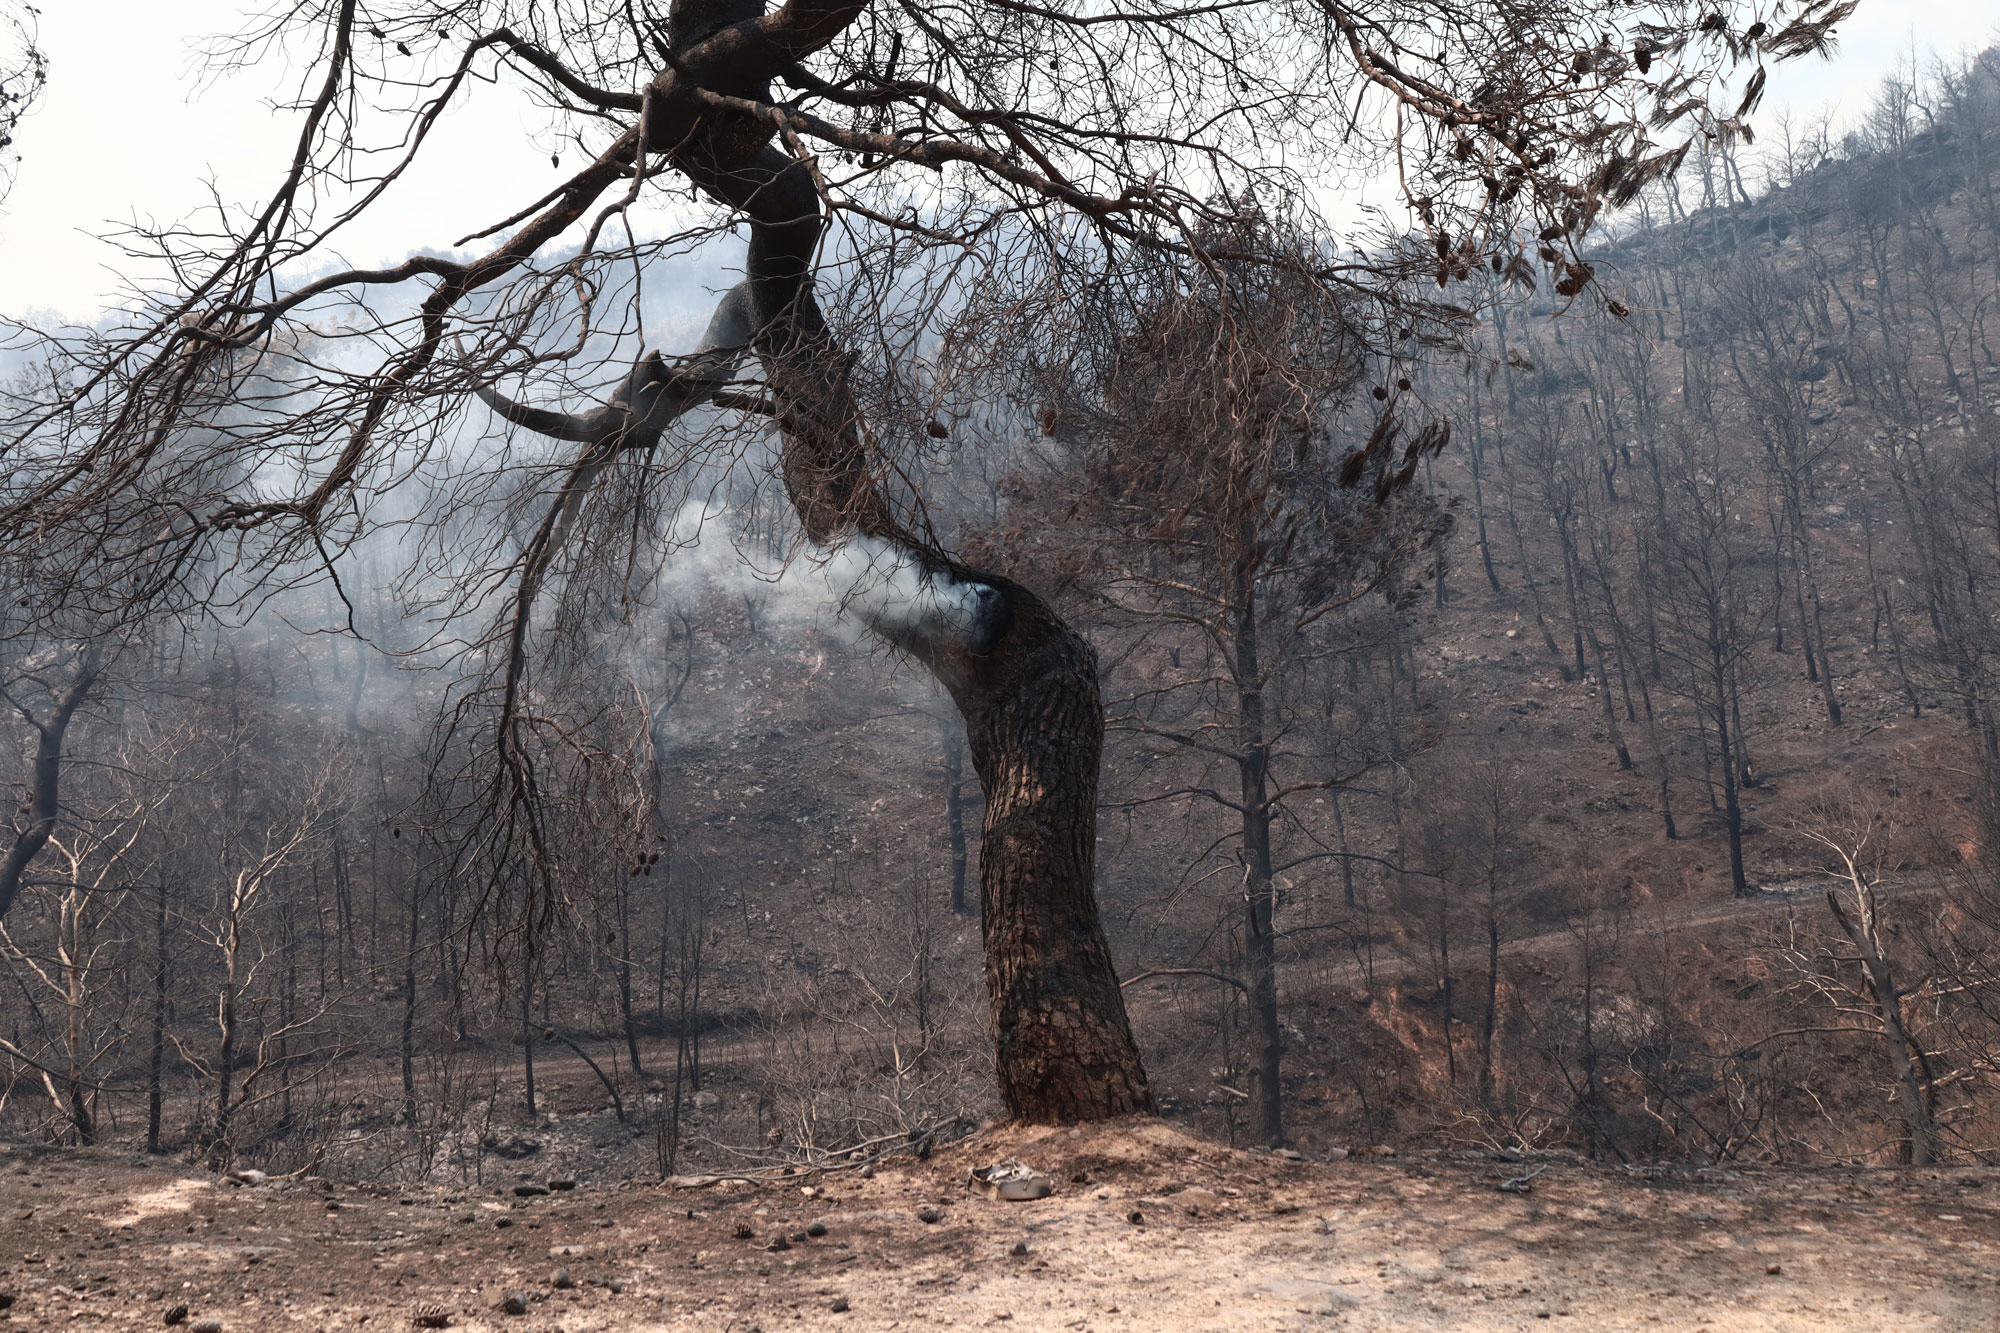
[[1223, 1241], [1806, 895]]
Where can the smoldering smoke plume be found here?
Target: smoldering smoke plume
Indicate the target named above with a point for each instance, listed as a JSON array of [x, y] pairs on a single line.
[[861, 583]]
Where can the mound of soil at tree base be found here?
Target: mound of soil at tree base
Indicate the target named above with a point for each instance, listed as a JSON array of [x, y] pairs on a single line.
[[1148, 1229]]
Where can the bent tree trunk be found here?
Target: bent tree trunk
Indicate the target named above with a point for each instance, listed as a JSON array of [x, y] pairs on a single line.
[[1033, 720], [1062, 1045]]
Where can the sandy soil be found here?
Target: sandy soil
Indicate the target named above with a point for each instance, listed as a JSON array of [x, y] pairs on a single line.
[[1222, 1240]]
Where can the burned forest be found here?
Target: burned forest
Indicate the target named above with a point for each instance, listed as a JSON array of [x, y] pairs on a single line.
[[1356, 638]]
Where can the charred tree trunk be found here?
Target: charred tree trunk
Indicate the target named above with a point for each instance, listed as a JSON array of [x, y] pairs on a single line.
[[625, 950], [1259, 894], [44, 805], [409, 1041], [1063, 1044], [1489, 1015], [1728, 745], [528, 1027], [1863, 930], [157, 1049]]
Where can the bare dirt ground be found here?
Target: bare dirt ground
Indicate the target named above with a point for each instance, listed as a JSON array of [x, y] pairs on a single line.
[[1221, 1240]]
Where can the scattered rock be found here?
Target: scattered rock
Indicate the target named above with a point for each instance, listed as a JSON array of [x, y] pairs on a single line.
[[513, 1149], [1011, 1181], [839, 1305], [816, 1230], [562, 1281], [1020, 1250], [562, 1183], [503, 1222], [205, 1326], [1290, 1154], [929, 1216], [1775, 1269], [6, 1300], [530, 1191], [778, 1242], [615, 1287], [1336, 1154], [177, 1315], [515, 1302]]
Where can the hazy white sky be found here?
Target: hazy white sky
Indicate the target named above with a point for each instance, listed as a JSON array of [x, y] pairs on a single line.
[[127, 131]]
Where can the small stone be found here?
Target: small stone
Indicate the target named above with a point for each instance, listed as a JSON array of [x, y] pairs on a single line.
[[503, 1222], [205, 1326], [1136, 1218], [516, 1302], [1775, 1269], [562, 1280], [1291, 1154], [778, 1242], [1020, 1250], [816, 1230], [530, 1191], [1336, 1154], [839, 1305], [929, 1216], [562, 1184], [615, 1286], [867, 1172]]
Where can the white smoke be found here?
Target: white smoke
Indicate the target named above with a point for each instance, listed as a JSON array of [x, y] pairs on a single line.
[[886, 588], [858, 583]]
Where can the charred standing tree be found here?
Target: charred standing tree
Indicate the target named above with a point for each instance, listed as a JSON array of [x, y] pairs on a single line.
[[44, 804], [1024, 681]]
